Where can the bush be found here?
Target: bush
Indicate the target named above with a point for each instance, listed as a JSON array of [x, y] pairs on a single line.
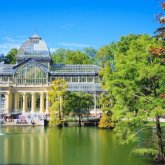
[[54, 122], [106, 122]]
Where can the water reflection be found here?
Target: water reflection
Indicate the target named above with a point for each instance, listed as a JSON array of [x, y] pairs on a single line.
[[67, 146], [22, 145]]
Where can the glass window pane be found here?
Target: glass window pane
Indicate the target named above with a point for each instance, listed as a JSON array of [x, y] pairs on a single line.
[[30, 74]]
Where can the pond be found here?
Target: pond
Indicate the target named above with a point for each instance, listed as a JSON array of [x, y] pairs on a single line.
[[66, 146]]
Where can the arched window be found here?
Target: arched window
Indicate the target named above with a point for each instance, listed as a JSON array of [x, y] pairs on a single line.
[[30, 74]]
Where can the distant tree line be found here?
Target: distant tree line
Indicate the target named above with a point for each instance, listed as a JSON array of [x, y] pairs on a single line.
[[66, 56], [61, 56]]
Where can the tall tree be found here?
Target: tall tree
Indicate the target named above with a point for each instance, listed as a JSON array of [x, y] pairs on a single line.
[[106, 103], [56, 94], [78, 103], [11, 56], [135, 86]]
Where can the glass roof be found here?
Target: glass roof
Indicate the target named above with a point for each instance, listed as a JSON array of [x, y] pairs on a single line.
[[34, 47], [60, 68]]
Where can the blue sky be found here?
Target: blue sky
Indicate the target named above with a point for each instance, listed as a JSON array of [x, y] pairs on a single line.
[[74, 24]]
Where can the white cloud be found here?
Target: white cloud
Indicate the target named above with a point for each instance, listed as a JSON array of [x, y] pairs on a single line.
[[73, 44]]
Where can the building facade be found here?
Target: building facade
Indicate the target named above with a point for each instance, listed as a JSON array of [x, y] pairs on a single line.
[[24, 86]]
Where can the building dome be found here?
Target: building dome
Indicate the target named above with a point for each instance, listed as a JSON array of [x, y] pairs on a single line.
[[34, 47]]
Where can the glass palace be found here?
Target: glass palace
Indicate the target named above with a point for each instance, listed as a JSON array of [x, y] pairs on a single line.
[[24, 86]]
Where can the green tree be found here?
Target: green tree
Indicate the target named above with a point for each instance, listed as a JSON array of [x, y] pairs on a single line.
[[11, 56], [62, 56], [59, 56], [106, 105], [105, 54], [78, 103], [56, 94], [77, 57], [135, 85], [91, 52]]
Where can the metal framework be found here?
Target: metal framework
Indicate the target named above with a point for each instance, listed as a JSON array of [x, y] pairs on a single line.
[[30, 74], [75, 69], [78, 77]]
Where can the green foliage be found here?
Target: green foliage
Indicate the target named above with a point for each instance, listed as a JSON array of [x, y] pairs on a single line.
[[78, 102], [56, 94], [63, 56], [158, 111], [106, 105], [106, 102], [11, 56], [91, 52], [128, 128], [54, 120], [145, 152], [59, 56], [105, 54], [106, 121], [131, 85], [134, 79]]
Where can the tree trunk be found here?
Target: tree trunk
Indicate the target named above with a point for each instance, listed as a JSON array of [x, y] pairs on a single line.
[[160, 156], [59, 114], [60, 108], [79, 120]]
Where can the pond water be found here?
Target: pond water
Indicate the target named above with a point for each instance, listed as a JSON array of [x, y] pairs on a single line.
[[66, 146]]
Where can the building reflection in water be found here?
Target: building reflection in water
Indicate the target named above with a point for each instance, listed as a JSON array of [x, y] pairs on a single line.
[[48, 146], [23, 145]]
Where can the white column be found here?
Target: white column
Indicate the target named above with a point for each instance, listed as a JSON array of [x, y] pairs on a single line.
[[7, 103], [41, 102], [47, 78], [16, 102], [24, 103], [47, 103], [33, 102], [50, 79]]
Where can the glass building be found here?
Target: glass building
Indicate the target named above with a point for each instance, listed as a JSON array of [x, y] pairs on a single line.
[[24, 86]]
